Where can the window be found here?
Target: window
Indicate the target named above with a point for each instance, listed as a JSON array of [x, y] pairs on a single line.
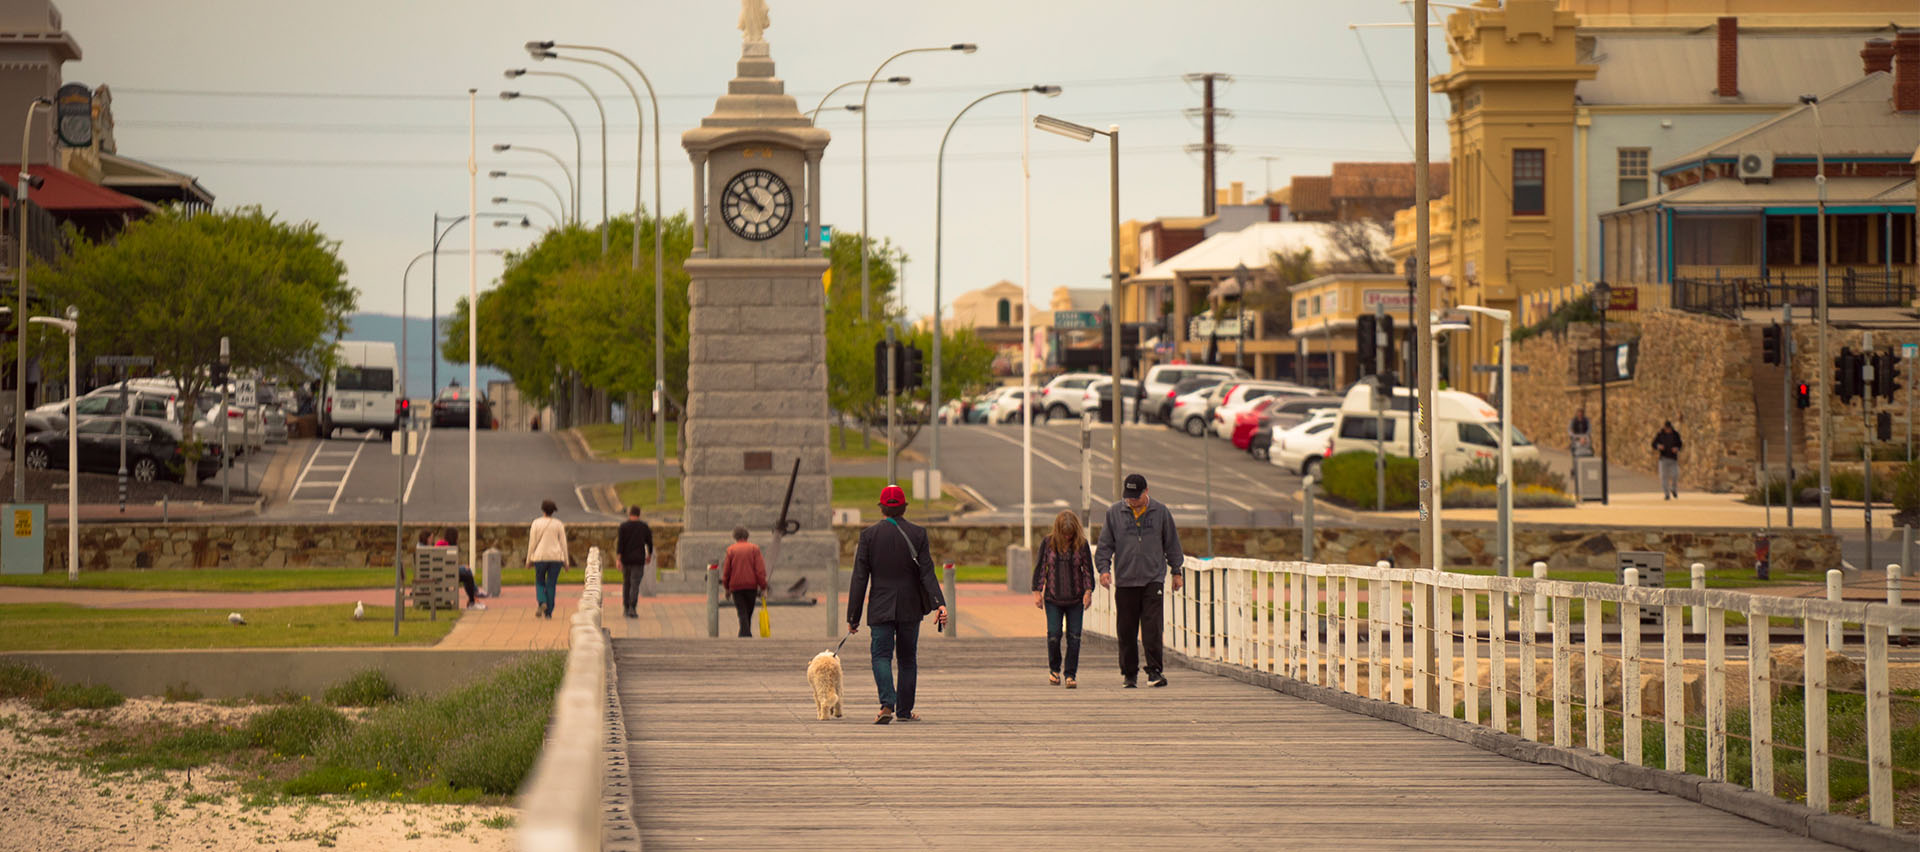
[[1299, 308], [100, 427], [1003, 313], [1529, 181], [1633, 175], [150, 408], [363, 379], [1850, 240], [1780, 240], [1713, 241]]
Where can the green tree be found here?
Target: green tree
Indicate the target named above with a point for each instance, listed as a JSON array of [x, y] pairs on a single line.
[[850, 340], [172, 284]]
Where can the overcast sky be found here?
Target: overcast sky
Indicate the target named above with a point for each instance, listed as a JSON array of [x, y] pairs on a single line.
[[353, 113]]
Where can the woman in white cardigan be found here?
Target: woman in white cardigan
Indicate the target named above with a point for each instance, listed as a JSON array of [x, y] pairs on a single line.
[[546, 554]]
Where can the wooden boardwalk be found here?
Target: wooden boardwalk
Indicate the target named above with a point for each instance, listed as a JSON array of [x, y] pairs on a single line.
[[726, 754]]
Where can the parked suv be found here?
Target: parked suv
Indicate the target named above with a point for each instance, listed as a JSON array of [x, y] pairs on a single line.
[[1194, 404], [1163, 379], [1064, 396]]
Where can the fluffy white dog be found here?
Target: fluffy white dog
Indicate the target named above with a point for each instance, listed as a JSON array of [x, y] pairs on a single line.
[[823, 674]]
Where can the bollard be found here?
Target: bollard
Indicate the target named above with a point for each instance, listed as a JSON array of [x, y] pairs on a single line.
[[1019, 563], [1540, 624], [1893, 591], [1306, 534], [1699, 574], [163, 508], [1834, 635], [713, 601], [953, 600], [835, 624]]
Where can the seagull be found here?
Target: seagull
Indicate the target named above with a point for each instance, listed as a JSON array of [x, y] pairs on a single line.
[[236, 618], [359, 610]]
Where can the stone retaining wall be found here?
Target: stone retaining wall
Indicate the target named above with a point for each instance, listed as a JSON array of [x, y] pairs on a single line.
[[215, 546]]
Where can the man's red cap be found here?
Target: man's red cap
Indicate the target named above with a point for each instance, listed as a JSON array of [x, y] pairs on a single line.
[[893, 496]]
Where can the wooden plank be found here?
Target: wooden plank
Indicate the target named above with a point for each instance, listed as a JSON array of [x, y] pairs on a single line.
[[726, 754]]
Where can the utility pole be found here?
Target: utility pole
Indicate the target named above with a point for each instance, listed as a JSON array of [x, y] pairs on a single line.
[[1208, 148]]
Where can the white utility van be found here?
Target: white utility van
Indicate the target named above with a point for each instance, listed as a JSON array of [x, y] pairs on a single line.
[[1466, 429], [363, 391]]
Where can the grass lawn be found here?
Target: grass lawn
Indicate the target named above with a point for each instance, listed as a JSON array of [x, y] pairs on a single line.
[[70, 627], [605, 440], [215, 580], [853, 449], [849, 492]]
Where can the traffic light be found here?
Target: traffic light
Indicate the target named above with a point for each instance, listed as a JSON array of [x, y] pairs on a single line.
[[910, 377], [1883, 426], [1387, 346], [401, 408], [880, 354], [1363, 338], [1846, 375], [1771, 337], [1802, 396], [1886, 375]]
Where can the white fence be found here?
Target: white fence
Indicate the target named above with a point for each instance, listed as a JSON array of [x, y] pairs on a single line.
[[560, 806], [1417, 637]]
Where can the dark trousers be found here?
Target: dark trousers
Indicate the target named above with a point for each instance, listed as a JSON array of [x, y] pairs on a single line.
[[546, 585], [896, 639], [630, 585], [466, 579], [1068, 615], [1139, 611], [743, 601]]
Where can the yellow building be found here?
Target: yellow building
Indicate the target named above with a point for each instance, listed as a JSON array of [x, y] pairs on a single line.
[[1325, 312]]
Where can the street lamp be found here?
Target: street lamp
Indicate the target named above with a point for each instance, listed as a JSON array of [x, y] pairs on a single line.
[[572, 188], [524, 223], [1439, 467], [1602, 300], [20, 279], [1506, 431], [544, 50], [1083, 133], [579, 161], [433, 313], [70, 325], [896, 80], [1819, 370], [557, 218], [513, 73], [865, 287], [501, 174], [939, 211]]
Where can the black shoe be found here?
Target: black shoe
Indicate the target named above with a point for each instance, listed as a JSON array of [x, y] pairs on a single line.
[[1129, 684], [1156, 680]]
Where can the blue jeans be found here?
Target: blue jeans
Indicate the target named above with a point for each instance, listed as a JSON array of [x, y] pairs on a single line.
[[1070, 614], [546, 582], [890, 639]]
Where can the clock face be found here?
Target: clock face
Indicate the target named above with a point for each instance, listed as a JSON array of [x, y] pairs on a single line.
[[756, 204]]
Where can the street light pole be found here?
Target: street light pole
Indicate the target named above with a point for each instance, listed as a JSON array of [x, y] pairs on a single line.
[[573, 188], [813, 114], [1820, 364], [939, 211], [498, 174], [70, 325], [865, 286], [433, 297], [559, 219], [1506, 431], [579, 161], [518, 72], [20, 307]]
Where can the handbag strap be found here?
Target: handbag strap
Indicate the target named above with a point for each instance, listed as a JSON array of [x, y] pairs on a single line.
[[911, 554]]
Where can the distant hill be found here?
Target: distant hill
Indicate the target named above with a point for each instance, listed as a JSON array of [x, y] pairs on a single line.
[[419, 351]]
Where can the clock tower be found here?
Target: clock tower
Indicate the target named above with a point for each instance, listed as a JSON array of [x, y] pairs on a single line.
[[757, 371]]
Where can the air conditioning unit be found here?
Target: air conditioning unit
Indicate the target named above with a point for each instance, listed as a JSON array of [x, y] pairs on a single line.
[[1756, 165]]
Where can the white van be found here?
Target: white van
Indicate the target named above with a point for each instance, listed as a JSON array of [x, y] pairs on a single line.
[[363, 391], [1466, 429]]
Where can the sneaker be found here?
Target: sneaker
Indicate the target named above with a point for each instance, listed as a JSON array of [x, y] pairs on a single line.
[[476, 606], [1129, 684], [1157, 680]]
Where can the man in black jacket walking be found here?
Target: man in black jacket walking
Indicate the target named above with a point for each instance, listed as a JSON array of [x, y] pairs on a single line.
[[894, 556], [1139, 543], [634, 543]]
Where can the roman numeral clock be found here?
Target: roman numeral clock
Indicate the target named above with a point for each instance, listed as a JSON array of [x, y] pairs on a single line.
[[756, 350]]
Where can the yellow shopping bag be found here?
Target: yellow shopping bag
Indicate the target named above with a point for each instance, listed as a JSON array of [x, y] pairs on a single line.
[[766, 621]]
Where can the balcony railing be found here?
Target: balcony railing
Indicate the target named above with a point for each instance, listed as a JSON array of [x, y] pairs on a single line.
[[1846, 288]]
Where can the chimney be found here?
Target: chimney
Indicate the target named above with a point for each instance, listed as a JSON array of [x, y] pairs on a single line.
[[1237, 195], [1729, 53], [1906, 71], [1877, 56]]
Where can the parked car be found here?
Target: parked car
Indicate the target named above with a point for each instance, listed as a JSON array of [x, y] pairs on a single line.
[[1247, 420], [1100, 392], [361, 393], [153, 449], [1301, 447], [1242, 394], [1162, 380], [977, 408], [452, 406], [1285, 412], [1064, 396], [159, 397], [1193, 408], [1012, 406], [1466, 429], [35, 422]]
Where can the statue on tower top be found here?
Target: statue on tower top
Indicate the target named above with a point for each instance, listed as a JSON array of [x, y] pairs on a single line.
[[754, 20]]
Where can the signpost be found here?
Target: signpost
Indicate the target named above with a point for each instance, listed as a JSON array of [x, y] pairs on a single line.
[[123, 362], [1075, 320]]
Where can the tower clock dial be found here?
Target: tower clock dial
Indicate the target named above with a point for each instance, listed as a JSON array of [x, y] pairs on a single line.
[[756, 204]]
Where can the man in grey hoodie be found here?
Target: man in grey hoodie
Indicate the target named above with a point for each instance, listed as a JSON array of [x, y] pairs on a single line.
[[1139, 543]]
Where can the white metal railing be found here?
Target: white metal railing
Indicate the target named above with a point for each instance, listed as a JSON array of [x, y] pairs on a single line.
[[560, 805], [1335, 625]]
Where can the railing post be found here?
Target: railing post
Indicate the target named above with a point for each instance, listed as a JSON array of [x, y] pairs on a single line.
[[1271, 609], [1530, 665], [1333, 632], [1311, 609], [1674, 710], [1306, 532], [1422, 643], [1835, 638], [1350, 630], [1470, 652], [1538, 623], [1396, 641], [1376, 635], [713, 601], [951, 579], [1209, 648], [1717, 694], [1814, 665], [1592, 622], [1760, 698], [1443, 640], [1630, 697], [1879, 730], [1894, 579], [1562, 672], [1698, 579]]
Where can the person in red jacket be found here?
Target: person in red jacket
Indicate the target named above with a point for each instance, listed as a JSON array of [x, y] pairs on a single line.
[[744, 573]]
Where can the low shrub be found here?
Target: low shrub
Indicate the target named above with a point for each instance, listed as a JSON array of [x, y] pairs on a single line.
[[1462, 495], [80, 696], [296, 729], [1348, 478], [183, 748], [368, 688], [21, 680], [1526, 472]]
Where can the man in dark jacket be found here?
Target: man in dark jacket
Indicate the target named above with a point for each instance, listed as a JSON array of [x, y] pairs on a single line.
[[1667, 445], [894, 556], [634, 543], [1139, 543]]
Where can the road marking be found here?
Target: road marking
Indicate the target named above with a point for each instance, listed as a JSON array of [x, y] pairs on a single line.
[[311, 461], [418, 458], [583, 500], [343, 480], [1036, 453]]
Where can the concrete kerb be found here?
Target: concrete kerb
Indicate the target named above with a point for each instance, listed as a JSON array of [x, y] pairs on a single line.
[[560, 807], [1792, 817]]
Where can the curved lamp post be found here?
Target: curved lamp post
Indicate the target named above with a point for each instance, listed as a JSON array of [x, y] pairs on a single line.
[[896, 80], [20, 279], [572, 188], [557, 218], [501, 174], [70, 325], [513, 73], [865, 286], [579, 162]]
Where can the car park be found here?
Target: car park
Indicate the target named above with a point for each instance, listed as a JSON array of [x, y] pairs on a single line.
[[1163, 379], [154, 449]]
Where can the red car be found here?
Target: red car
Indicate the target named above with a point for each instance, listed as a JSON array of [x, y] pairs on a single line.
[[1248, 420]]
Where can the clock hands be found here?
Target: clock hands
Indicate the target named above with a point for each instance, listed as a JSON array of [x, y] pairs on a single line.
[[743, 195]]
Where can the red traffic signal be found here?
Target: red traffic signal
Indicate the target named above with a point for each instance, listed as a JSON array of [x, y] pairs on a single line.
[[403, 406], [1802, 395]]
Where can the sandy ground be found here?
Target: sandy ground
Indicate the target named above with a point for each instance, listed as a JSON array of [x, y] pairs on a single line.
[[45, 805]]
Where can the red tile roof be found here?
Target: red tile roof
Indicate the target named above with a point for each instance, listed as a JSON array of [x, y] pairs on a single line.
[[62, 191]]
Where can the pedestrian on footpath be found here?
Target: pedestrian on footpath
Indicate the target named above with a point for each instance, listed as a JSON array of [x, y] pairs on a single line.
[[634, 543], [1580, 433], [744, 572], [1667, 444], [1063, 584], [894, 556], [1139, 544], [451, 538], [547, 553]]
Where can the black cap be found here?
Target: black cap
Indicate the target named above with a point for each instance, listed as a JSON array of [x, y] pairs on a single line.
[[1135, 484]]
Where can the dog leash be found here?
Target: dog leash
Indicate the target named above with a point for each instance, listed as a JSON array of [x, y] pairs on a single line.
[[843, 643]]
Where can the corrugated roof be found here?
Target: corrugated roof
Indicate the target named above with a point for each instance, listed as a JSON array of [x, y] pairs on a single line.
[[1312, 194], [1384, 180], [1782, 191], [1857, 119], [1674, 68], [65, 192], [1253, 246]]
